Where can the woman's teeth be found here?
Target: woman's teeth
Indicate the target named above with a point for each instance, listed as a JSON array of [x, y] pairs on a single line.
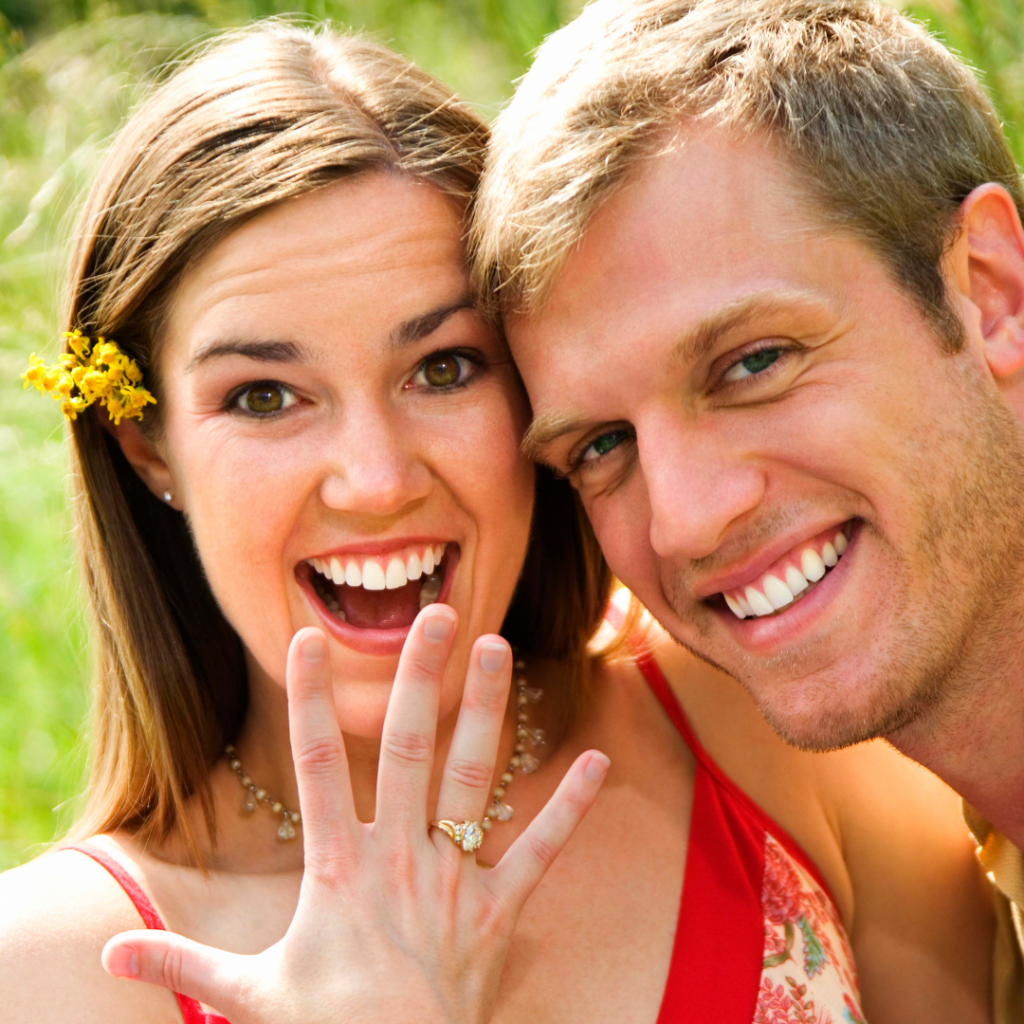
[[430, 590], [381, 574], [789, 579]]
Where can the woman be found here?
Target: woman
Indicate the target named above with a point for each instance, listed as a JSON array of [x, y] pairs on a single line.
[[300, 541]]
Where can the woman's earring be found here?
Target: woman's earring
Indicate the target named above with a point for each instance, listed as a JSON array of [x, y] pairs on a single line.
[[168, 497]]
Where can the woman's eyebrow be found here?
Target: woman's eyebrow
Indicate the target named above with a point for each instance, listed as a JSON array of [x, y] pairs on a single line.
[[289, 352], [264, 351], [420, 326]]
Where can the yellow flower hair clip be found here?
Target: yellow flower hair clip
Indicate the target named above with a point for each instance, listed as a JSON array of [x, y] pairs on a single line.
[[91, 373]]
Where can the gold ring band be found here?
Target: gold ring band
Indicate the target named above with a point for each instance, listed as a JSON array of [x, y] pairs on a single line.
[[466, 835]]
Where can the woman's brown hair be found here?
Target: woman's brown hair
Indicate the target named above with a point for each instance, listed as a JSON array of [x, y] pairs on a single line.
[[262, 116]]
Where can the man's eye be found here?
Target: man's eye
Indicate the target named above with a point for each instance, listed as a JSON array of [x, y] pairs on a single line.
[[264, 399], [751, 365], [603, 445], [443, 370]]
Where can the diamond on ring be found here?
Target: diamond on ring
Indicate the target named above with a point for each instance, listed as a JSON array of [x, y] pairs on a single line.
[[467, 835]]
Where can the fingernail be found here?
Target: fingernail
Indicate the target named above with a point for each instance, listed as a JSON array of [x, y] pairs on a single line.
[[597, 767], [123, 962], [313, 648], [492, 657], [437, 627]]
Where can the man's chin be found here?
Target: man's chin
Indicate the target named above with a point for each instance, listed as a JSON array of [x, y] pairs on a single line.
[[823, 714], [830, 730]]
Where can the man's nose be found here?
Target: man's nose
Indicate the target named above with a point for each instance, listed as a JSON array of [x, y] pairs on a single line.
[[699, 484], [375, 466]]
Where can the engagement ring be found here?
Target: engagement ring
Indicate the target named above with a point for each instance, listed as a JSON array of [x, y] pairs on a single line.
[[467, 835]]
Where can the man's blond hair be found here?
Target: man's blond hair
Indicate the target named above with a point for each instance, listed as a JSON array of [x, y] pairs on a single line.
[[887, 130]]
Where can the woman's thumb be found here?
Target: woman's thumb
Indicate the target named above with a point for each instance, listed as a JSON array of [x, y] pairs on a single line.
[[189, 968]]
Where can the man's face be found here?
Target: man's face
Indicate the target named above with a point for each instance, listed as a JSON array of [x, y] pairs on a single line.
[[752, 408]]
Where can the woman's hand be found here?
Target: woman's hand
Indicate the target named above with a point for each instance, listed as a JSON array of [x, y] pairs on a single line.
[[394, 922]]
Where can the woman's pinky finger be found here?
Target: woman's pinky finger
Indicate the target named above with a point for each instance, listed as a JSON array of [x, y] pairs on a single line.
[[529, 857]]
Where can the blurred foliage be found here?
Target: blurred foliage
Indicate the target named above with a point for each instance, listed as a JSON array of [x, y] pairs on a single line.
[[479, 46], [69, 71], [989, 35]]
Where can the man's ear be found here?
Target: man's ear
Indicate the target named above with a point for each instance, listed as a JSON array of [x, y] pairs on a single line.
[[992, 241], [144, 457]]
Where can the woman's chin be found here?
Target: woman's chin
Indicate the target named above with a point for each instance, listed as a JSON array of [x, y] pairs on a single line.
[[361, 705]]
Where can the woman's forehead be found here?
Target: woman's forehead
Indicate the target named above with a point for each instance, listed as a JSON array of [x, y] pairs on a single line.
[[364, 251]]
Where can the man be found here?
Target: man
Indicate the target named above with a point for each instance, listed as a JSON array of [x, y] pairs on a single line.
[[762, 268]]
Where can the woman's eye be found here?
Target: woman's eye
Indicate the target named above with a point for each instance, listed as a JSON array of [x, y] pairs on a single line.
[[443, 370], [264, 398], [751, 365], [604, 444]]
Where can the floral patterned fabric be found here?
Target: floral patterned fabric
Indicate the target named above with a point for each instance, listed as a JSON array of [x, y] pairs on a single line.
[[808, 975]]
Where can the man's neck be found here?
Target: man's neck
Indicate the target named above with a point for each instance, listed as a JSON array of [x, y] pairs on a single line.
[[973, 739]]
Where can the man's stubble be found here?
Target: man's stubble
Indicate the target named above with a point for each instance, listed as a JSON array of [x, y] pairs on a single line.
[[964, 476]]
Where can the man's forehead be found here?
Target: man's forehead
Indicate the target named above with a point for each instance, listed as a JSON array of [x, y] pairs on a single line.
[[710, 206], [700, 231]]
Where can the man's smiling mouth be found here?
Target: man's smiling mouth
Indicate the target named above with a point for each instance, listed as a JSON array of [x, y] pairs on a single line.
[[381, 592], [790, 578]]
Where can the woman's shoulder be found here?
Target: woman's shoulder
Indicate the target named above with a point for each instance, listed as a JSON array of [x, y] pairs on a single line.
[[873, 821], [56, 914], [845, 808], [867, 786]]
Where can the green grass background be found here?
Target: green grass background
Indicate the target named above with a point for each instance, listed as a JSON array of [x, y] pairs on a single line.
[[69, 70]]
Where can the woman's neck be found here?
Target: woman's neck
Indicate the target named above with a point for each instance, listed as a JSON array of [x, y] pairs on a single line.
[[248, 841]]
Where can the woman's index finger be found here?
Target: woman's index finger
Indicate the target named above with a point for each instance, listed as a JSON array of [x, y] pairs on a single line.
[[329, 821]]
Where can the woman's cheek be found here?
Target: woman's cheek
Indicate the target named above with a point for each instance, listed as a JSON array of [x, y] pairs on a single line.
[[488, 458], [243, 502]]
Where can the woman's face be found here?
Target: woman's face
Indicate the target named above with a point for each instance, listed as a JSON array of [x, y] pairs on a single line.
[[342, 431]]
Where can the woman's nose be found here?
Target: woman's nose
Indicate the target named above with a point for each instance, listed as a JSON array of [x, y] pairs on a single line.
[[376, 467]]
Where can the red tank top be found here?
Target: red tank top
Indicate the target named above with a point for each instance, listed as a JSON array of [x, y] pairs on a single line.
[[759, 939]]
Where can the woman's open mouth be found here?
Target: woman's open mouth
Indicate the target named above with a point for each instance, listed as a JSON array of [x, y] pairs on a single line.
[[373, 599]]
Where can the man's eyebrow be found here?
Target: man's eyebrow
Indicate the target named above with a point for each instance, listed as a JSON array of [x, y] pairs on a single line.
[[704, 335], [421, 326], [546, 429], [263, 351]]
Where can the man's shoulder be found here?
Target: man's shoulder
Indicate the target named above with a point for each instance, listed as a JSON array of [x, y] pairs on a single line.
[[56, 914]]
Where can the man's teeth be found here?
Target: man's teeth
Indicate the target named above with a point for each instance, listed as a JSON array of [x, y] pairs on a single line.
[[795, 580], [771, 593], [811, 565], [371, 574]]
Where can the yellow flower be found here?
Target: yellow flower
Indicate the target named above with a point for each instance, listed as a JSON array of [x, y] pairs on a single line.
[[78, 345], [95, 385], [90, 373], [33, 376], [106, 352], [136, 398]]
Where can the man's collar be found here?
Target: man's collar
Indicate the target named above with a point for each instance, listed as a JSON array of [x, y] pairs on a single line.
[[1003, 861]]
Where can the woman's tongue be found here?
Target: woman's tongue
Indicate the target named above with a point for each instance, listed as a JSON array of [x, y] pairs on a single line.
[[380, 609]]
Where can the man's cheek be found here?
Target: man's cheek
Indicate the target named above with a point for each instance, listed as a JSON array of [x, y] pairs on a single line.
[[625, 541]]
